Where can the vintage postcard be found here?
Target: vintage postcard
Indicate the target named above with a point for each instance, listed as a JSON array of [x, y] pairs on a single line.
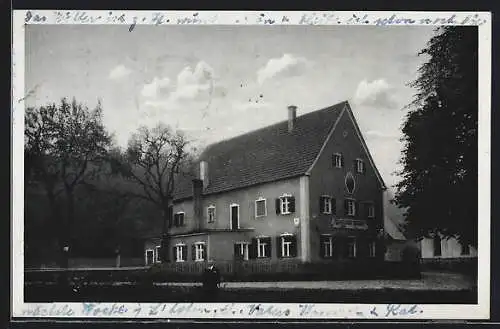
[[251, 165]]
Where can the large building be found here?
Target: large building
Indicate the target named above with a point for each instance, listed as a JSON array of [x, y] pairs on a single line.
[[305, 188]]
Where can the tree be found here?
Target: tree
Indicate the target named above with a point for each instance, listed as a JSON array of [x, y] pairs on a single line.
[[439, 182], [64, 146], [154, 159]]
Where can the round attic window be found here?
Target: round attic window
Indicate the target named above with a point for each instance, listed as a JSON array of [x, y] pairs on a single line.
[[350, 183]]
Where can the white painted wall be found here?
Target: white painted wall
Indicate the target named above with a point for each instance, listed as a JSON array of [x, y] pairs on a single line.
[[450, 248]]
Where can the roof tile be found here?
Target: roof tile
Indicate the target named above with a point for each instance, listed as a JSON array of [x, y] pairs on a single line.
[[264, 155]]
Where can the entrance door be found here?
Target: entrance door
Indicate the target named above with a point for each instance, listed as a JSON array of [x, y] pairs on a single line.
[[235, 212]]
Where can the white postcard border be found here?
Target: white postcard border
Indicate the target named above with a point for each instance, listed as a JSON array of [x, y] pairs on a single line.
[[244, 310]]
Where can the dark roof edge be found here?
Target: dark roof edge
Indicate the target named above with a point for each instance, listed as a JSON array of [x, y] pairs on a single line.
[[241, 187], [365, 147], [327, 139]]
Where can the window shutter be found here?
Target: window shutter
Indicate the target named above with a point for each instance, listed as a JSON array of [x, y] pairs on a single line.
[[293, 246], [252, 249], [346, 207], [321, 206], [334, 206], [292, 204], [277, 203], [278, 247], [355, 165], [269, 249], [193, 252], [356, 211], [236, 251], [174, 254], [184, 253], [204, 252]]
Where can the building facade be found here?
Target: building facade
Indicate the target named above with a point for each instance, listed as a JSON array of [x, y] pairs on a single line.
[[304, 189], [445, 248]]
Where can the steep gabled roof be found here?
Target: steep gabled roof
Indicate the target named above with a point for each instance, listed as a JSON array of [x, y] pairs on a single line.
[[267, 154]]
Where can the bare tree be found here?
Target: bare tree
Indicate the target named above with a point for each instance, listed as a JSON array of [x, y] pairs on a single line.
[[154, 159], [64, 145]]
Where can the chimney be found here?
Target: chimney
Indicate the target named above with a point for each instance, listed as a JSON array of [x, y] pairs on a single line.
[[204, 173], [292, 115], [197, 211]]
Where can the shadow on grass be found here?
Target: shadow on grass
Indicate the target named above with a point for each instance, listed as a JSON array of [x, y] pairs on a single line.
[[149, 293]]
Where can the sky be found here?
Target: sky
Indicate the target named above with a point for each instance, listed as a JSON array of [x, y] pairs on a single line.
[[215, 82]]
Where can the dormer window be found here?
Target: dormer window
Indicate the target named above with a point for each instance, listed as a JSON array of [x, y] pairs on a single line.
[[337, 160], [359, 166]]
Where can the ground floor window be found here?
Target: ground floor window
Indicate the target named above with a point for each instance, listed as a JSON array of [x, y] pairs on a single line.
[[437, 245], [241, 250], [287, 245], [149, 256], [199, 251], [326, 247], [180, 252], [263, 247], [372, 249], [465, 249], [157, 254], [351, 248]]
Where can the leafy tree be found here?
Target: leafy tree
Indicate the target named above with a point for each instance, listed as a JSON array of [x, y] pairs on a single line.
[[64, 146], [439, 185], [154, 159]]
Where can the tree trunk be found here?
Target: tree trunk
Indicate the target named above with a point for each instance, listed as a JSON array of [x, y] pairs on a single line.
[[165, 239]]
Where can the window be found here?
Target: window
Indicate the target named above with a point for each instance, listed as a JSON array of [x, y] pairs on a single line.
[[338, 161], [158, 254], [180, 252], [263, 247], [465, 249], [179, 219], [285, 205], [234, 220], [241, 250], [326, 205], [287, 245], [351, 248], [260, 207], [211, 214], [350, 207], [326, 248], [359, 166], [199, 251], [372, 249], [437, 245], [371, 209], [149, 256]]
